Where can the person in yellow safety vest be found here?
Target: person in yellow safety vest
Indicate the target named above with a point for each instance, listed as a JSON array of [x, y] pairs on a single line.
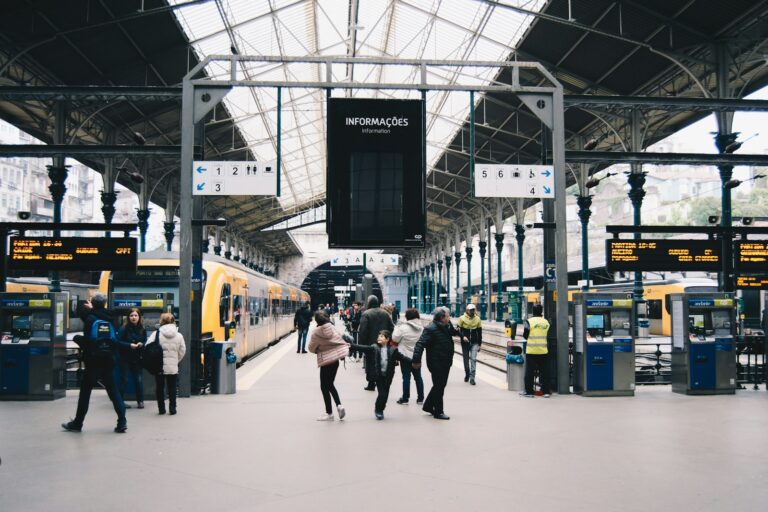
[[536, 329]]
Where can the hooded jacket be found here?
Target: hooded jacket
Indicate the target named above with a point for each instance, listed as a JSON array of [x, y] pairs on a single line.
[[437, 339], [328, 344], [375, 368], [407, 334], [373, 320], [174, 348], [471, 329]]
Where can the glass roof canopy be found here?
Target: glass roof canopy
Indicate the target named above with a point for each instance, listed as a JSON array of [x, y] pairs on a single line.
[[414, 29]]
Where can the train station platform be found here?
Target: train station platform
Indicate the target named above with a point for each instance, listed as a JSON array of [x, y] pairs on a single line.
[[262, 449]]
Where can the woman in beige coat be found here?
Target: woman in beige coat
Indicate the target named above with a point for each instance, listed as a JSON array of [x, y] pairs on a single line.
[[330, 348], [174, 349]]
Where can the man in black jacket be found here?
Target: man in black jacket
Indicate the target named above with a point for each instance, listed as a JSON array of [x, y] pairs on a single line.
[[301, 321], [97, 366], [372, 322], [437, 339]]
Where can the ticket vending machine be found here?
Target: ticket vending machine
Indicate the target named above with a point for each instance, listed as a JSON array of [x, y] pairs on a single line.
[[604, 344], [703, 343], [33, 338], [151, 305]]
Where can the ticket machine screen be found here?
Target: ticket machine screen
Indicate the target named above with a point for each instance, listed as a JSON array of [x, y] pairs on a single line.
[[700, 324], [721, 322], [596, 326]]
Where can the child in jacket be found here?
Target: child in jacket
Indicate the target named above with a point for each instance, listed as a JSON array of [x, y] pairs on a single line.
[[384, 357]]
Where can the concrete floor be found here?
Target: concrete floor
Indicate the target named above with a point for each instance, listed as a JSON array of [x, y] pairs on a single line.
[[261, 449]]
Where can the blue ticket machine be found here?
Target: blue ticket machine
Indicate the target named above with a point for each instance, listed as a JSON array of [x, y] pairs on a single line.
[[33, 338], [703, 343], [151, 305], [604, 344]]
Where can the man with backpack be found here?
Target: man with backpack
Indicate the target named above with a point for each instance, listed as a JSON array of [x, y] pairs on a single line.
[[99, 344]]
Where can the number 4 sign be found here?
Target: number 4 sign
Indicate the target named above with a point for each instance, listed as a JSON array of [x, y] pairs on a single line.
[[494, 180]]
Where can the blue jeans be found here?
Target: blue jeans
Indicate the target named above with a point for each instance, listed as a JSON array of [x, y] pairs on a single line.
[[302, 341], [407, 369], [137, 374]]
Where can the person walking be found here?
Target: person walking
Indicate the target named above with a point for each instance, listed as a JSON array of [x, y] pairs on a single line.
[[437, 339], [354, 327], [100, 346], [536, 329], [373, 320], [330, 348], [382, 359], [301, 321], [406, 334], [395, 314], [471, 337], [132, 332], [174, 348]]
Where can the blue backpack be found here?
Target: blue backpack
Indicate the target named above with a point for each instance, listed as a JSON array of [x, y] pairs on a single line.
[[103, 338]]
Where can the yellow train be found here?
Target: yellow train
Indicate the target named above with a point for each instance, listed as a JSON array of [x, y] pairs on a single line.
[[655, 293], [261, 308]]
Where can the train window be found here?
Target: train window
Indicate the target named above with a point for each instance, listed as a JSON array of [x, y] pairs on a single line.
[[654, 309], [237, 308], [224, 302]]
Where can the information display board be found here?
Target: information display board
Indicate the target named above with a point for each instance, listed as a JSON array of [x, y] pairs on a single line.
[[662, 255], [231, 178], [495, 180], [72, 253], [751, 255], [752, 282], [376, 192]]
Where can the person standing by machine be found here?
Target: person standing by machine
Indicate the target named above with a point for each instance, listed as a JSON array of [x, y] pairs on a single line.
[[132, 332], [535, 333], [99, 344], [174, 348], [471, 336]]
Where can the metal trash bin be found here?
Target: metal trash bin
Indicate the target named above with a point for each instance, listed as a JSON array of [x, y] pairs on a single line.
[[643, 328], [516, 370], [224, 364]]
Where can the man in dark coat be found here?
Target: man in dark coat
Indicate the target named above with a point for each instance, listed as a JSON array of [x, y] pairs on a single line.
[[301, 321], [372, 322], [437, 339], [98, 367]]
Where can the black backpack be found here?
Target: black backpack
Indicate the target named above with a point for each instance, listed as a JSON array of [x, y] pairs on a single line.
[[152, 356], [103, 338]]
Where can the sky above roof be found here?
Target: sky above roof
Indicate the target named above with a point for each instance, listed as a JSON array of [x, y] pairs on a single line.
[[406, 29]]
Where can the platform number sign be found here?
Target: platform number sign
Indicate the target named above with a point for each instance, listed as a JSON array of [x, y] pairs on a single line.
[[234, 178], [495, 180]]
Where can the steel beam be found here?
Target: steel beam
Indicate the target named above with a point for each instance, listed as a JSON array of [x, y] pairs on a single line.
[[89, 150], [666, 158], [667, 103], [88, 93]]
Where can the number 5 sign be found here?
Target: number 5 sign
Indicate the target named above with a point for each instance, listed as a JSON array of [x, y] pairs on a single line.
[[494, 180]]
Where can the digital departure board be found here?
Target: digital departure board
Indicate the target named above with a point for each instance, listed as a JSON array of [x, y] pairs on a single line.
[[72, 253], [662, 255], [751, 256], [752, 282]]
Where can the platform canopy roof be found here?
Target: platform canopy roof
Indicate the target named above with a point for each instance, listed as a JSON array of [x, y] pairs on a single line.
[[601, 47]]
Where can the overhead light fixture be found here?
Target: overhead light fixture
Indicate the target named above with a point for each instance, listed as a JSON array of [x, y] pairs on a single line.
[[595, 181], [747, 221], [590, 145], [139, 139], [134, 176], [713, 219]]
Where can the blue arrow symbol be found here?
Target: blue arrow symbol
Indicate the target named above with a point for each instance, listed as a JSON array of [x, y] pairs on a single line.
[[200, 186], [200, 169], [546, 173], [547, 190]]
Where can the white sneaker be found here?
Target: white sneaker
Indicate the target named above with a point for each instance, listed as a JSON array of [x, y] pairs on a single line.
[[342, 411], [325, 417], [547, 395]]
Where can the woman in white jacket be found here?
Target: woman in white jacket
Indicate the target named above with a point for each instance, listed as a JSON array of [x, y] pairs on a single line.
[[407, 334], [330, 348], [174, 349]]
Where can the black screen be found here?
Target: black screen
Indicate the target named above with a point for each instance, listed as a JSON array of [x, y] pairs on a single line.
[[375, 182]]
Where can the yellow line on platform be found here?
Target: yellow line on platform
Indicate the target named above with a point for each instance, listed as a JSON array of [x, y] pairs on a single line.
[[252, 375]]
